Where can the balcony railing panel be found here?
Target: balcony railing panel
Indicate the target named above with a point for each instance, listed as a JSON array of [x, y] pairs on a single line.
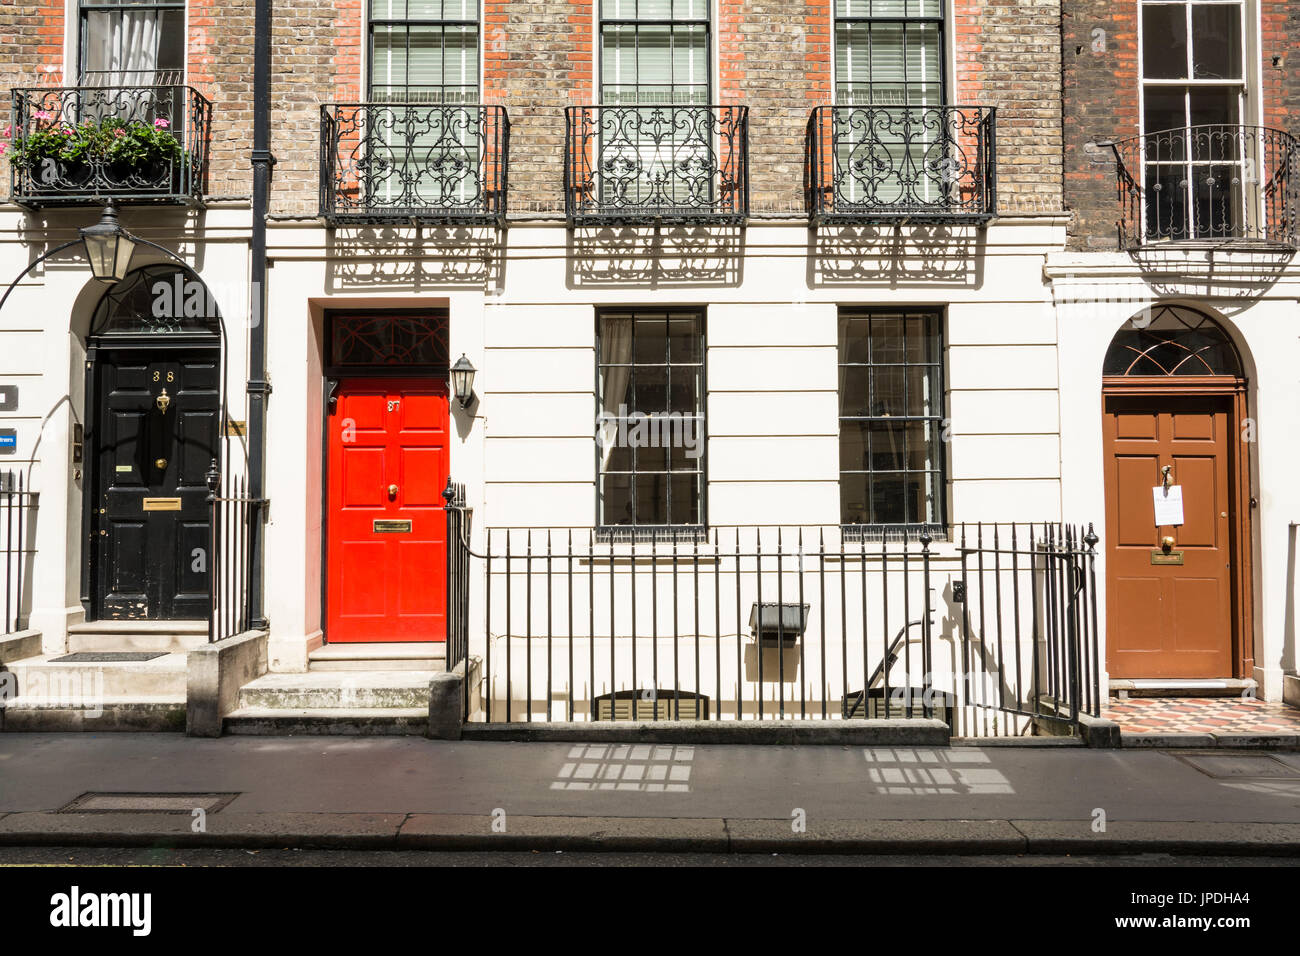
[[892, 163], [1209, 185], [437, 163], [80, 145], [656, 164]]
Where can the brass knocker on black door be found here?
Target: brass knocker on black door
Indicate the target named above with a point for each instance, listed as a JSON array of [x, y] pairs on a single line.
[[160, 426]]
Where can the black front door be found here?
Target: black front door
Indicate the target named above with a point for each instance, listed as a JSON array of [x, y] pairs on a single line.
[[152, 440]]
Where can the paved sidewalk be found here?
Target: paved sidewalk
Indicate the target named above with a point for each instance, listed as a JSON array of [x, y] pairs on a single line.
[[414, 793], [1201, 715]]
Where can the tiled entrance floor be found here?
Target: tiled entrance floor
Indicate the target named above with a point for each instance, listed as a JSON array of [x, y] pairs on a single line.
[[1201, 715]]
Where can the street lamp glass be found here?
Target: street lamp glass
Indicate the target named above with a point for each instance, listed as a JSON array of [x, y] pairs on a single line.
[[108, 247], [462, 380]]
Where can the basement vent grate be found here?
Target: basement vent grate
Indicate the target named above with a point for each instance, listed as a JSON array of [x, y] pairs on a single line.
[[1224, 766], [106, 657], [185, 803]]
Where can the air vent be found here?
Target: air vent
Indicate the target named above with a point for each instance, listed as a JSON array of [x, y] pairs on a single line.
[[652, 705]]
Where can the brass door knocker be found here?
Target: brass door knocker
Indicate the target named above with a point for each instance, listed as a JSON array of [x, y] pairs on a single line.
[[163, 401]]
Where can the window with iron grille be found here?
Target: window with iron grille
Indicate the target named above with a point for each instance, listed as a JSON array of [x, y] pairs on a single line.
[[891, 419], [650, 419], [654, 52], [424, 51], [1193, 91], [132, 43], [889, 52]]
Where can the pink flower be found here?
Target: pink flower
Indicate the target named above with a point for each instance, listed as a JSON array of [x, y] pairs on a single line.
[[119, 132], [160, 123], [43, 115], [9, 130], [4, 148], [66, 132]]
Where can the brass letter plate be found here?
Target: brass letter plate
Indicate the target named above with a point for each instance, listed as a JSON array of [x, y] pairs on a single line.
[[392, 526], [1160, 557], [162, 504]]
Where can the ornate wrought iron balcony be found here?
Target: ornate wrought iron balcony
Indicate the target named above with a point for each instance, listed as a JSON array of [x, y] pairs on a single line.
[[79, 145], [1209, 185], [435, 163], [892, 163], [656, 164]]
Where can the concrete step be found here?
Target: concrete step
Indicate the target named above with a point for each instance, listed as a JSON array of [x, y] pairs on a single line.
[[41, 679], [329, 721], [412, 656], [169, 636], [343, 690], [1219, 687], [21, 644], [160, 713]]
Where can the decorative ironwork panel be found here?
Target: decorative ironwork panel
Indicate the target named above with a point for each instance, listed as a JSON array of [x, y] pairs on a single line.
[[1172, 340], [401, 162], [389, 339], [1216, 184], [80, 145], [635, 164], [885, 163]]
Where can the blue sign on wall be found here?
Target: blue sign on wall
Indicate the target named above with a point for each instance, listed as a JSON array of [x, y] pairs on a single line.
[[8, 441]]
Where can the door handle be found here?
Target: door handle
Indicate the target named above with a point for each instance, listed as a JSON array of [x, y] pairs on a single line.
[[392, 492]]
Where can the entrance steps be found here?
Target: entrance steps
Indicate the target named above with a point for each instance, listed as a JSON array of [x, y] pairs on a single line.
[[408, 656], [169, 636], [1220, 687], [41, 694], [349, 701]]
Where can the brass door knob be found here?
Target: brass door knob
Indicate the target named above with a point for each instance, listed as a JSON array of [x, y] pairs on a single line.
[[392, 492], [160, 463], [1167, 544]]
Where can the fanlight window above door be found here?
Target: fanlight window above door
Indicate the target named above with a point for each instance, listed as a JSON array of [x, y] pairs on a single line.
[[1172, 341], [157, 300]]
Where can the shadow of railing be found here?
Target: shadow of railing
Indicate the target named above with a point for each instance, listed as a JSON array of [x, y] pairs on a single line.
[[651, 257], [884, 255], [414, 258]]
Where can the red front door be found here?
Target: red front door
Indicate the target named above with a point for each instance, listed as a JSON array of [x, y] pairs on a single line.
[[387, 550]]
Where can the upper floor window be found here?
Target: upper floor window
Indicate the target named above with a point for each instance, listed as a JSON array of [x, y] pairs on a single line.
[[889, 52], [654, 51], [1193, 62], [891, 418], [424, 51], [132, 42]]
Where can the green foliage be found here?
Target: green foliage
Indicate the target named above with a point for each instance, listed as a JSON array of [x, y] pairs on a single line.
[[125, 144]]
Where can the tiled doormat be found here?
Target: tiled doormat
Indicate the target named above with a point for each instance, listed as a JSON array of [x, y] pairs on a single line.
[[1201, 715], [106, 657]]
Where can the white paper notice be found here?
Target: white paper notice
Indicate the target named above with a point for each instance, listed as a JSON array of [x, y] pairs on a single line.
[[1169, 504]]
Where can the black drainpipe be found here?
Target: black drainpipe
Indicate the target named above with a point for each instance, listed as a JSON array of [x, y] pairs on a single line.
[[258, 387]]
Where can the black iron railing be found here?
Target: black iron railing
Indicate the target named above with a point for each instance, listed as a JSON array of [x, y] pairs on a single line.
[[435, 163], [656, 164], [79, 145], [232, 515], [994, 632], [458, 571], [18, 535], [890, 163], [1216, 185]]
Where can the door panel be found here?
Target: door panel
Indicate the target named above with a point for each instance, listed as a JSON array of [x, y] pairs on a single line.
[[1168, 620], [388, 465], [152, 565]]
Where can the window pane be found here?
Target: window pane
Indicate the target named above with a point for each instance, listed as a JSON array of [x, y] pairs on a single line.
[[853, 499], [651, 387], [1214, 106], [684, 391], [1164, 109], [683, 338], [616, 499], [853, 446], [855, 390], [651, 499], [1216, 42], [889, 395], [1164, 41]]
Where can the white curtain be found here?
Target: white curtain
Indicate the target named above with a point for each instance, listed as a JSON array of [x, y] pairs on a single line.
[[615, 347], [122, 48]]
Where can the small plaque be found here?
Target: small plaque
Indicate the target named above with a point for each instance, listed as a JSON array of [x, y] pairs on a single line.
[[8, 398], [1162, 557], [124, 468], [392, 526], [235, 429], [8, 441], [162, 504]]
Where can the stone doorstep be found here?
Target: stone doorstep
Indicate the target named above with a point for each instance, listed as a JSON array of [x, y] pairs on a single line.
[[415, 656], [350, 690], [94, 680], [1224, 687], [1228, 740], [143, 714], [626, 834]]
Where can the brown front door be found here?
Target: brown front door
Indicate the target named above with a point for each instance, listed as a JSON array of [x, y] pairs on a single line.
[[1164, 619]]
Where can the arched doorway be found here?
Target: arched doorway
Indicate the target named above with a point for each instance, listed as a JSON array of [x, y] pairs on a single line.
[[1177, 521], [153, 397]]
